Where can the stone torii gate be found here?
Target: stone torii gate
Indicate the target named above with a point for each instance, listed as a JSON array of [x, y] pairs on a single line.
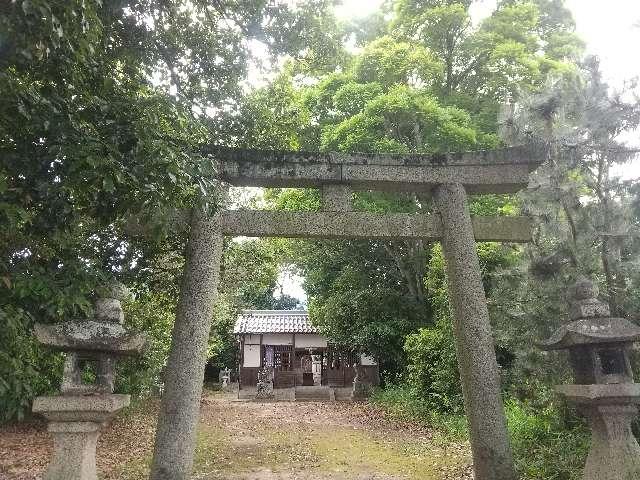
[[447, 177]]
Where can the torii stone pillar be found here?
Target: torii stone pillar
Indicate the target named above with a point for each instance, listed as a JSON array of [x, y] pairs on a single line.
[[474, 342], [184, 375]]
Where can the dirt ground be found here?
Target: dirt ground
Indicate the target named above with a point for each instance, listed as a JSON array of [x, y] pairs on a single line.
[[259, 441]]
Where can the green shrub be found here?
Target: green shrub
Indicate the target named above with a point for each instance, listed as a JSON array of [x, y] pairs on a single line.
[[433, 368], [402, 402], [154, 315], [26, 368], [548, 444]]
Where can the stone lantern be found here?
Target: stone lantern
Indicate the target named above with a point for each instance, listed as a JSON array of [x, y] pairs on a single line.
[[604, 391], [87, 402]]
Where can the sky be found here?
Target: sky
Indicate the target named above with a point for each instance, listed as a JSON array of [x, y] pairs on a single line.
[[611, 31]]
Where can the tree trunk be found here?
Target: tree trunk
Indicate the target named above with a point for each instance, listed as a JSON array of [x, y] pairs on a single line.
[[179, 411], [492, 458]]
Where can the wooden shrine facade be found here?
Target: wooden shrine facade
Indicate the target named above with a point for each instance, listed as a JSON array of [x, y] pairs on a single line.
[[285, 342]]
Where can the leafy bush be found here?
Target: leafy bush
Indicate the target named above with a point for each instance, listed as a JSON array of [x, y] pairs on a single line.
[[152, 314], [433, 368], [26, 369], [402, 402], [548, 443]]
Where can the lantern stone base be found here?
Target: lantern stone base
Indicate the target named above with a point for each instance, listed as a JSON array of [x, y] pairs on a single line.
[[76, 423], [615, 453], [610, 410]]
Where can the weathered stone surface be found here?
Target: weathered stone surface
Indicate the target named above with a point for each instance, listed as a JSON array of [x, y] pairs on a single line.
[[178, 417], [478, 179], [91, 335], [492, 457], [592, 324], [74, 451], [601, 394], [497, 171], [589, 308], [360, 389], [614, 452], [605, 394], [336, 198], [531, 155], [80, 408], [588, 331], [264, 385], [75, 423], [262, 223], [109, 310]]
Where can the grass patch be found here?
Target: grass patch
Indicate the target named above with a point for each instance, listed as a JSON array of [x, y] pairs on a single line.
[[548, 443], [357, 451], [403, 404]]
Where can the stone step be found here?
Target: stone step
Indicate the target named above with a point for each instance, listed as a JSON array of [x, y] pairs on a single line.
[[313, 394]]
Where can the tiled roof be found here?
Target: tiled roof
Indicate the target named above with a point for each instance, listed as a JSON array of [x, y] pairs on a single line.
[[274, 321]]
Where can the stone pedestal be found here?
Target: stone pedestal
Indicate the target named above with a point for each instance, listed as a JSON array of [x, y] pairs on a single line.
[[610, 410], [614, 453], [75, 423]]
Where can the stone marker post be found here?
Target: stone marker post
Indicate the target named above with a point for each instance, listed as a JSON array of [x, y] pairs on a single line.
[[180, 407], [77, 416], [604, 391], [492, 458]]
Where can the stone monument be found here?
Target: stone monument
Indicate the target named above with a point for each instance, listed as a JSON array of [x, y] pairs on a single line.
[[77, 416], [605, 392], [264, 386]]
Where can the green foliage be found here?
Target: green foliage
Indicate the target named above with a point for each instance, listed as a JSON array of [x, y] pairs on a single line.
[[400, 121], [516, 46], [402, 402], [389, 62], [153, 314], [547, 442], [433, 368], [101, 122], [373, 321], [26, 369]]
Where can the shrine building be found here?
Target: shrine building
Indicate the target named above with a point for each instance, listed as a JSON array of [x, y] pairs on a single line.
[[304, 364]]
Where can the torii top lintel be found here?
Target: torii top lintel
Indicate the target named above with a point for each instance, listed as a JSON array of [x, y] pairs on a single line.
[[503, 170]]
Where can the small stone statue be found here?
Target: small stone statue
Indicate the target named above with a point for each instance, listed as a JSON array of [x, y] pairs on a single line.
[[361, 389], [225, 375]]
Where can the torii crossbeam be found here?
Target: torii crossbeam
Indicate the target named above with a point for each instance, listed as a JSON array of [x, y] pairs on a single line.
[[447, 177]]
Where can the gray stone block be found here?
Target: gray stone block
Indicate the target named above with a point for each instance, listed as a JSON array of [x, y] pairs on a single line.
[[75, 423]]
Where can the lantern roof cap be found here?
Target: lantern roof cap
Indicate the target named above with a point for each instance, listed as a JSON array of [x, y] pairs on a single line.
[[590, 331], [91, 336], [591, 322], [101, 333]]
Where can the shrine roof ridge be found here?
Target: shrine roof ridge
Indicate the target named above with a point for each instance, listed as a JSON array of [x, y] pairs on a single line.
[[529, 154], [273, 321]]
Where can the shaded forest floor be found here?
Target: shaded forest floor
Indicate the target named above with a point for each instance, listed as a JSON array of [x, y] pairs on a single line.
[[260, 441]]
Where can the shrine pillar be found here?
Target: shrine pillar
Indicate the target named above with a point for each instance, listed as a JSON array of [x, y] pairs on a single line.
[[184, 375], [492, 457]]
